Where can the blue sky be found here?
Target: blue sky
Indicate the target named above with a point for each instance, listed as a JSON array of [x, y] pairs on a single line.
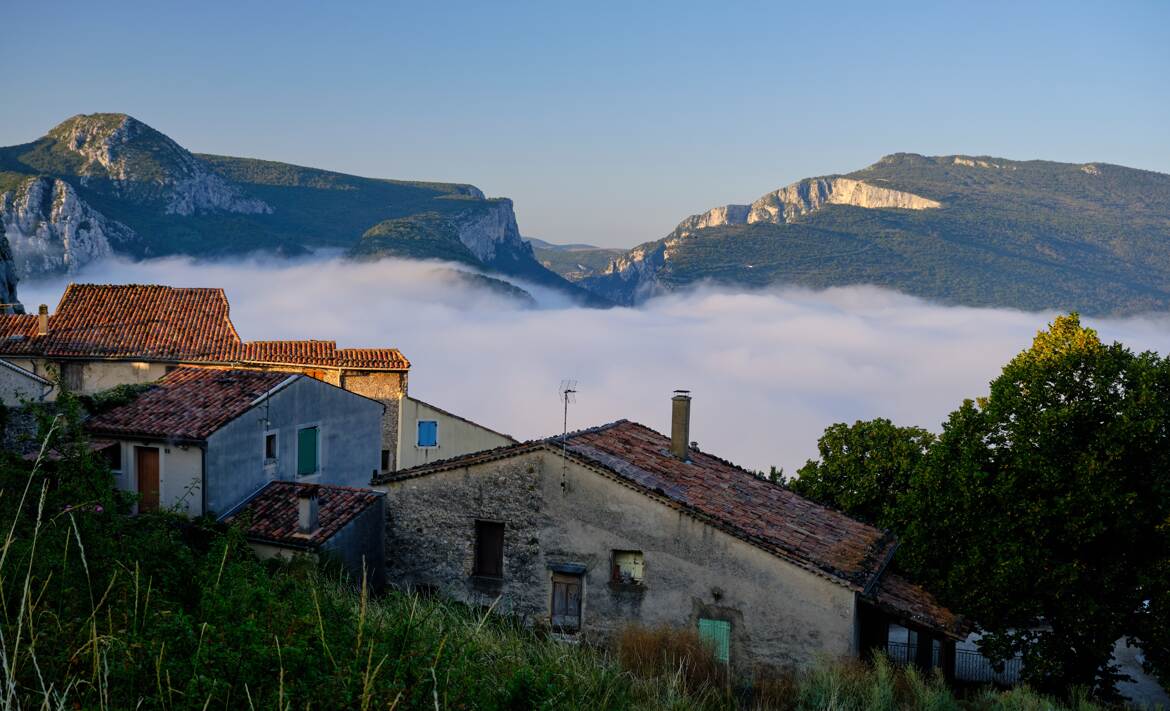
[[605, 123]]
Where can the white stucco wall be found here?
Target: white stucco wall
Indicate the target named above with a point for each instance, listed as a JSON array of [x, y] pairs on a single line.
[[457, 436], [180, 471]]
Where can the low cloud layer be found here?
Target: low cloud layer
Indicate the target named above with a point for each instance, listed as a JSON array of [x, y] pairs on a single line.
[[768, 370]]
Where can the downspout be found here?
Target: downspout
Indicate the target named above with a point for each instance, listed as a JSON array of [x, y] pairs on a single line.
[[203, 477]]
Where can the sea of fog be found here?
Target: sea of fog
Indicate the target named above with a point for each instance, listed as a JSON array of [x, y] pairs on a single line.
[[768, 370]]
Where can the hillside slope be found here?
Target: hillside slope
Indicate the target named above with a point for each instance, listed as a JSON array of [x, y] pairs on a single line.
[[104, 184], [977, 231]]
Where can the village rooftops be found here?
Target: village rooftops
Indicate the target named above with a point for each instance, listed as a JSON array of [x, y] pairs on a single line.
[[727, 497], [167, 324], [189, 404], [273, 516]]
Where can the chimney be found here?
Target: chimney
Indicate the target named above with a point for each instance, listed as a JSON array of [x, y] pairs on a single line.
[[43, 320], [307, 510], [680, 424]]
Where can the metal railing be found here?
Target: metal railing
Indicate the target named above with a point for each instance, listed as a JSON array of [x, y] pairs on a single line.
[[970, 666]]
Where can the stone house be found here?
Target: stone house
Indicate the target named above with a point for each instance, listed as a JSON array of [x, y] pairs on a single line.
[[204, 441], [619, 524]]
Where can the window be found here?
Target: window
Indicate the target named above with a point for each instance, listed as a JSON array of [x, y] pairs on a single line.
[[270, 445], [489, 549], [627, 567], [566, 602], [112, 455], [428, 433], [717, 633], [307, 450], [385, 460]]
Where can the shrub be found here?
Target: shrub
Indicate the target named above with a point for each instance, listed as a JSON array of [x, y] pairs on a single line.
[[664, 651]]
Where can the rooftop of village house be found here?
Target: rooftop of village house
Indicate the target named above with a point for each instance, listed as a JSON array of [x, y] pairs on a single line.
[[189, 403], [165, 323], [730, 498], [272, 515]]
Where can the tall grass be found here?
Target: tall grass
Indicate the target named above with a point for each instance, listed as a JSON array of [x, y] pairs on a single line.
[[103, 610]]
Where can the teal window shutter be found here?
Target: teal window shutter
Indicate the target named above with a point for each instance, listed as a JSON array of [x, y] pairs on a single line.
[[717, 633], [428, 433], [307, 451]]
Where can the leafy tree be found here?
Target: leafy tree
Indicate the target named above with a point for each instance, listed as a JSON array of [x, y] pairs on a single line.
[[1041, 510], [864, 469]]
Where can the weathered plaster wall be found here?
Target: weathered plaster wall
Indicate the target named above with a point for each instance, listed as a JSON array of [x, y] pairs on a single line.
[[456, 436], [387, 388], [180, 470], [97, 376], [17, 387], [348, 449], [780, 614]]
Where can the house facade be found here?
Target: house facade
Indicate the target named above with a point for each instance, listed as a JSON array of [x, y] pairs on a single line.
[[624, 525], [18, 385], [101, 336], [203, 441], [428, 433]]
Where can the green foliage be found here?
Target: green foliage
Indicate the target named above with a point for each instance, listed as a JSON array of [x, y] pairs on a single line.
[[427, 235], [1052, 496], [864, 469]]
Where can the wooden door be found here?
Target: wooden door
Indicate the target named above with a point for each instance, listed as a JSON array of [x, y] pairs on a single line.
[[146, 464], [566, 602]]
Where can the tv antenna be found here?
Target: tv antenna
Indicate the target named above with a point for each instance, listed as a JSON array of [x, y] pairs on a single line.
[[568, 395]]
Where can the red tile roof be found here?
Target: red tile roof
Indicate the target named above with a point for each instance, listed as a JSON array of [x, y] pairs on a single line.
[[901, 597], [170, 324], [734, 500], [271, 516], [188, 404]]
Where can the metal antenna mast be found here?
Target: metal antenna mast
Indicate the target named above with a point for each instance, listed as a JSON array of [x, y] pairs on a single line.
[[568, 394]]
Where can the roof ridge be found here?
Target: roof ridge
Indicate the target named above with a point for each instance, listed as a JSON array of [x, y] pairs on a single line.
[[583, 431]]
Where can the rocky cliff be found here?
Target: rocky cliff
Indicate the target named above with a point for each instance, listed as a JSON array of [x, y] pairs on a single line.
[[50, 230], [8, 279], [138, 162]]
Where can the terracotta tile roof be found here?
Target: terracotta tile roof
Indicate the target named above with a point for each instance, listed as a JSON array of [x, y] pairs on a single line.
[[762, 512], [272, 514], [903, 598], [188, 404], [171, 324], [732, 499]]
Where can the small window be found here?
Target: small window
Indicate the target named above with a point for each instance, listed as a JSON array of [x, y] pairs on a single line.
[[717, 633], [270, 445], [428, 433], [307, 450], [113, 457], [489, 549], [627, 567], [385, 460], [566, 602]]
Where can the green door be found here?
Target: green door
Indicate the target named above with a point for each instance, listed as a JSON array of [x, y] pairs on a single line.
[[307, 451], [717, 633]]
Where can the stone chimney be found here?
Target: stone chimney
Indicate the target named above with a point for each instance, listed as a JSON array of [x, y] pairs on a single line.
[[680, 424], [43, 320], [307, 522]]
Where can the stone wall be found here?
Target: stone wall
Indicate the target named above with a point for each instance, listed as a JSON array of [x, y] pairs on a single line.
[[387, 388], [780, 614]]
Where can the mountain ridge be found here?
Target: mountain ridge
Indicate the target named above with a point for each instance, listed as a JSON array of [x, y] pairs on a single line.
[[129, 189], [964, 230]]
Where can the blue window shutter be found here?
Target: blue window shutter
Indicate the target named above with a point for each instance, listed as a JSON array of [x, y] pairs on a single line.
[[428, 433]]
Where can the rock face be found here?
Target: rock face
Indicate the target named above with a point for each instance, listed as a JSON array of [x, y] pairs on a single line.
[[50, 230], [804, 198], [8, 279], [140, 162], [491, 231], [634, 276]]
